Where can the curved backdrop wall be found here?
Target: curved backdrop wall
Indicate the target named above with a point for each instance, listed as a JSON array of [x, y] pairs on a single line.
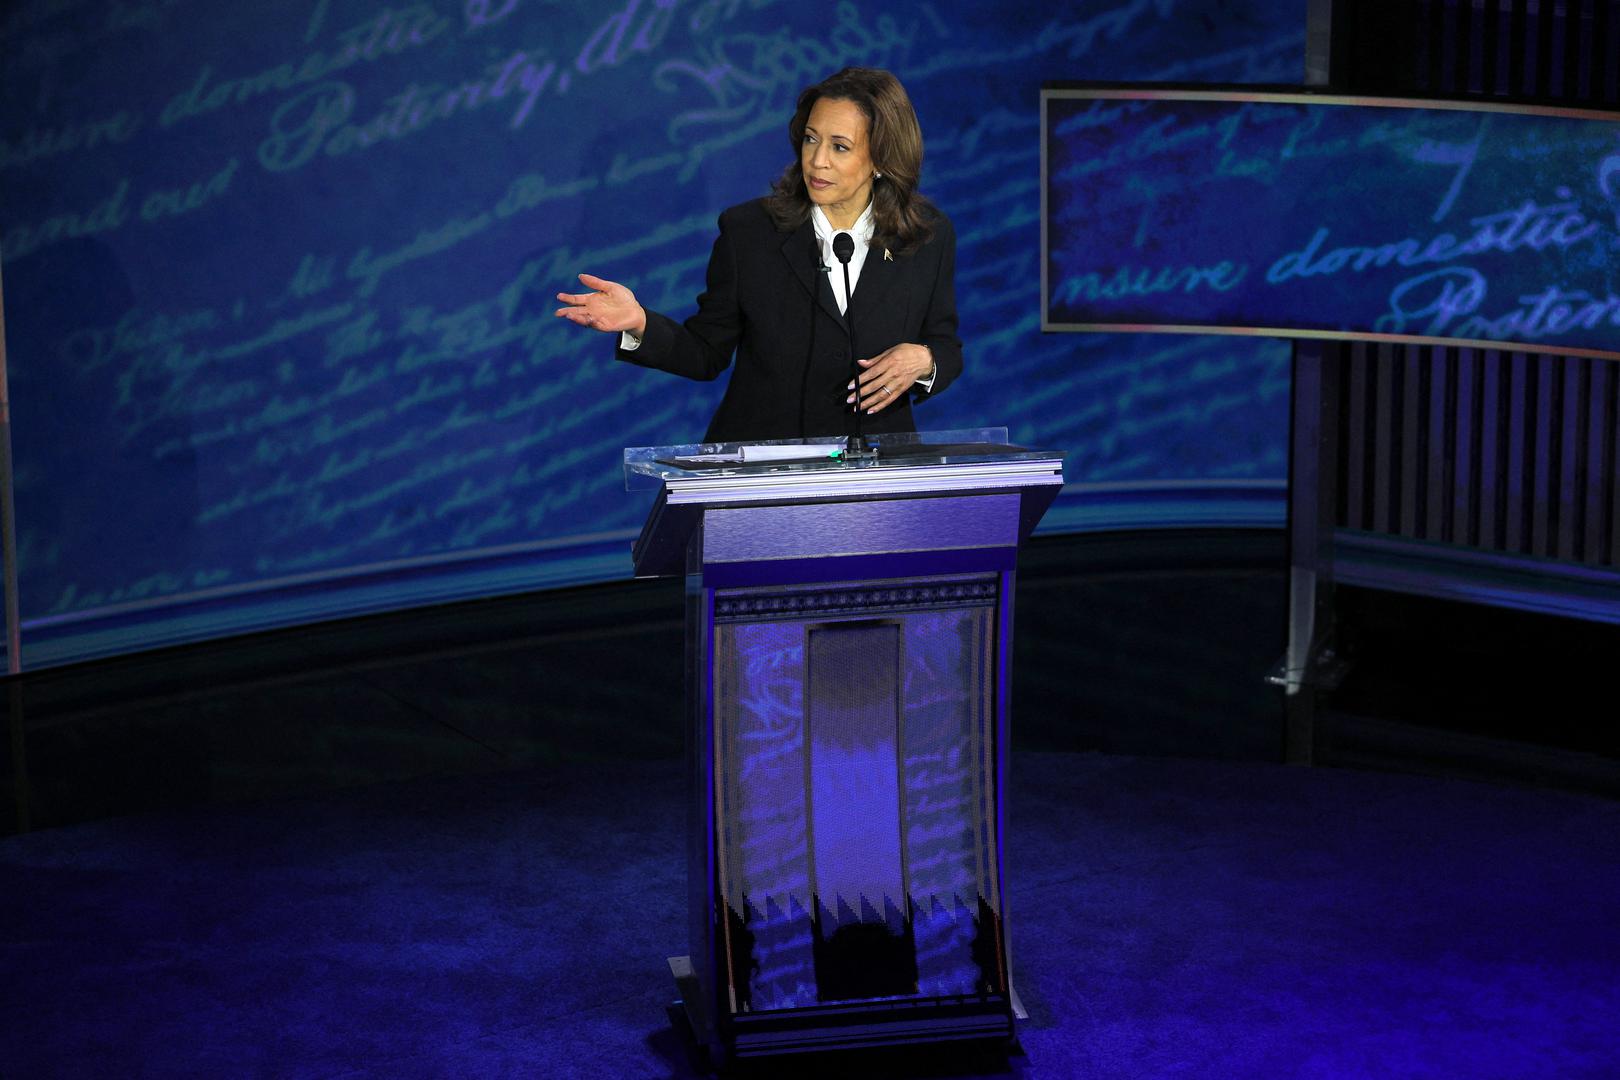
[[279, 279]]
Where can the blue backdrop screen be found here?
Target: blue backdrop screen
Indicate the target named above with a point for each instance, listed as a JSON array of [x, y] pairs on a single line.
[[279, 278], [1301, 215]]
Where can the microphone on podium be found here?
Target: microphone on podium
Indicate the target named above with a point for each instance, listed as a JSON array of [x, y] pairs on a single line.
[[843, 246]]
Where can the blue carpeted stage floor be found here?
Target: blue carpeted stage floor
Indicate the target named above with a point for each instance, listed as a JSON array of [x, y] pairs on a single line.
[[1169, 918]]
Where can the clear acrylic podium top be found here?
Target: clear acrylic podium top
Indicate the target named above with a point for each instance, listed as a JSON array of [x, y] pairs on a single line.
[[760, 479], [657, 466]]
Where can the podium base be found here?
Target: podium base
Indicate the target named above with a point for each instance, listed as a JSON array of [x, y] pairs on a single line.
[[847, 1026]]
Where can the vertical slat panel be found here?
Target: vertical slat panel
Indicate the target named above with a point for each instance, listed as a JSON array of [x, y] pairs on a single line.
[[1613, 459], [1556, 54], [1600, 478], [1534, 66], [1545, 12], [1420, 47], [1347, 436], [1357, 440], [1432, 41], [1527, 43], [1611, 468], [1582, 26], [1385, 490], [1565, 51], [1544, 499], [1517, 48], [1515, 464], [1460, 52], [1491, 23], [1437, 445], [1482, 56], [1608, 37], [1571, 456], [1492, 451], [1356, 431], [1464, 450], [1411, 456]]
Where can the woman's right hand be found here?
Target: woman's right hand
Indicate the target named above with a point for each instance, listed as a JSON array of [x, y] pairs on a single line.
[[609, 307]]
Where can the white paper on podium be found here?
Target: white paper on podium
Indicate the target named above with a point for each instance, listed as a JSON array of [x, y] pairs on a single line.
[[775, 452]]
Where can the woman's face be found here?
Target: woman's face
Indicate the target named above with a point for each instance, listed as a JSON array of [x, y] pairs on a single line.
[[837, 160]]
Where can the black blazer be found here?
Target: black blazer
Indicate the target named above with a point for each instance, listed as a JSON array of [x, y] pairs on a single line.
[[764, 301]]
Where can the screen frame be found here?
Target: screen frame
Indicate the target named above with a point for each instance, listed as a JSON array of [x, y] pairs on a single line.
[[1291, 96]]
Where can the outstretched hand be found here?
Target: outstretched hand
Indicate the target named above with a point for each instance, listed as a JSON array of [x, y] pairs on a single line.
[[889, 375], [609, 307]]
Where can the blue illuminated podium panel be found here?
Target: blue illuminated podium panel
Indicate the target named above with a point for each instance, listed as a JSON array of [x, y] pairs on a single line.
[[849, 638]]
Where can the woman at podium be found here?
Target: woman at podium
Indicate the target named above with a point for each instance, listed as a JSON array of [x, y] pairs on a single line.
[[808, 354]]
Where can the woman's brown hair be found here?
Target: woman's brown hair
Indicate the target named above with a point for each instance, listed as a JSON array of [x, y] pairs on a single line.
[[901, 218]]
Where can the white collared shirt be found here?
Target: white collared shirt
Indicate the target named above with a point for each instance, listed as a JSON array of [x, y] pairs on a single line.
[[861, 233]]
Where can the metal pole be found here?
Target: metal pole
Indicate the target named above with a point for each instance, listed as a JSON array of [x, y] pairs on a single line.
[[1310, 522]]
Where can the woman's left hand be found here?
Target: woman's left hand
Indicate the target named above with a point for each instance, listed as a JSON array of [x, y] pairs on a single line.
[[889, 375]]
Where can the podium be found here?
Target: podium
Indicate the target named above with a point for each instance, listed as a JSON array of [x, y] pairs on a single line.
[[848, 649]]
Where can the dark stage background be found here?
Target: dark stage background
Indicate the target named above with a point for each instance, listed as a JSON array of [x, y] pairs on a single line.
[[279, 282]]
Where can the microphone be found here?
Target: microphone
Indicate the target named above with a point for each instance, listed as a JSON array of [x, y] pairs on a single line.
[[843, 249], [843, 246]]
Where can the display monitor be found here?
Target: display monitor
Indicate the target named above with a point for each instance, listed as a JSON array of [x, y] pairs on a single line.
[[1313, 215]]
